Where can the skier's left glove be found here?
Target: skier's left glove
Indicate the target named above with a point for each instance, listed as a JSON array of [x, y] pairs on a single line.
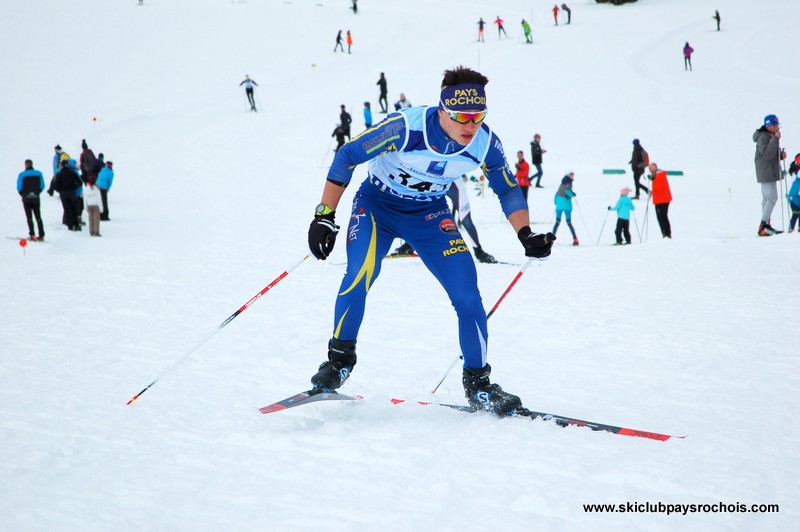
[[537, 245], [322, 235]]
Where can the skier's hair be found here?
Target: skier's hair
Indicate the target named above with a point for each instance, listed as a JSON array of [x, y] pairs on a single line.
[[461, 75]]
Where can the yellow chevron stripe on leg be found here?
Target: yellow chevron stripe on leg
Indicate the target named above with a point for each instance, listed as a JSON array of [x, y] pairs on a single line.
[[367, 271]]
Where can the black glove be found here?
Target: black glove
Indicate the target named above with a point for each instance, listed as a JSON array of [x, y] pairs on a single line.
[[537, 245], [322, 235]]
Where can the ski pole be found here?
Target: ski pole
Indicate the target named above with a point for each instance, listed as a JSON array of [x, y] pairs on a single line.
[[220, 326], [489, 315], [580, 213], [322, 165], [637, 226], [603, 227], [646, 212], [783, 185]]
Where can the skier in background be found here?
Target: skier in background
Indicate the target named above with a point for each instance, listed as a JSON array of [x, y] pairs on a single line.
[[687, 56], [500, 27], [624, 206], [349, 41], [565, 7], [717, 18], [404, 197], [338, 42], [563, 201], [355, 7], [338, 132], [481, 24], [526, 28], [523, 170], [555, 13], [248, 89]]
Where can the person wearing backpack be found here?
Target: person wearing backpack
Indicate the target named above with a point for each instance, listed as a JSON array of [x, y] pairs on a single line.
[[639, 161]]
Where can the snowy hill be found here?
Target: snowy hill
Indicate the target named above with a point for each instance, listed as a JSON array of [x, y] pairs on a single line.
[[692, 336]]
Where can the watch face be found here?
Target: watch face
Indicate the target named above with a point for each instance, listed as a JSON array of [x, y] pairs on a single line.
[[320, 208]]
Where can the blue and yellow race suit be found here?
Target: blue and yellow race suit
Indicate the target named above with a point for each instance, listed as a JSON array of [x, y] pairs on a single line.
[[412, 163]]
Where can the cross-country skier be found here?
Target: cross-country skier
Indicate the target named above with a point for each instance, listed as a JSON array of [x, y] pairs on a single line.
[[414, 156], [248, 89]]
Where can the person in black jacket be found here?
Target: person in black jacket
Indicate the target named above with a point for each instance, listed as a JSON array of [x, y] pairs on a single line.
[[66, 183], [30, 183], [638, 163], [345, 119], [383, 98], [536, 159]]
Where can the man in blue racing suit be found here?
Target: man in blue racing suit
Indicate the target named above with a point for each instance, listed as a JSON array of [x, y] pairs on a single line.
[[414, 156]]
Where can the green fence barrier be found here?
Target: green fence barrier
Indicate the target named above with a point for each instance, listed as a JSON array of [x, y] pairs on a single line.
[[610, 171], [674, 172]]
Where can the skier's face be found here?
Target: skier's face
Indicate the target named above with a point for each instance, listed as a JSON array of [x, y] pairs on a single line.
[[461, 133]]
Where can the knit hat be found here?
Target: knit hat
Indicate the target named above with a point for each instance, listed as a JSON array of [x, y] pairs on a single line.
[[57, 147], [83, 144], [635, 142], [771, 120], [625, 191]]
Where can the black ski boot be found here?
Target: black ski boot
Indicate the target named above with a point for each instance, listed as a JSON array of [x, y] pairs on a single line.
[[482, 256], [404, 250], [485, 396], [333, 372]]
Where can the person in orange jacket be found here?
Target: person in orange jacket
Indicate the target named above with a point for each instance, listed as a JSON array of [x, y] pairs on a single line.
[[522, 175], [555, 13], [662, 197], [349, 41]]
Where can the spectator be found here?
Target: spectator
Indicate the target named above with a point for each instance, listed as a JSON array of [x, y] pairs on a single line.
[[345, 120], [523, 171], [67, 184], [555, 13], [768, 169], [402, 103], [793, 196], [338, 42], [382, 99], [536, 159], [565, 7], [717, 18], [104, 181], [30, 184], [349, 41], [367, 115], [94, 204], [639, 161], [662, 197], [338, 132]]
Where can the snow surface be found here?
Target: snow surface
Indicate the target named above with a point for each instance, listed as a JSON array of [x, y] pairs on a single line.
[[692, 336]]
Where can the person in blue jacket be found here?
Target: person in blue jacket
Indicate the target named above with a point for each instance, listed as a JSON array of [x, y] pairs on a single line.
[[563, 201], [105, 178], [414, 156], [367, 115], [794, 193], [30, 184], [623, 207]]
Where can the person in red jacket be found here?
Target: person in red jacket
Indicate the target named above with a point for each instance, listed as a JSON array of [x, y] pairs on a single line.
[[555, 13], [523, 171], [662, 197]]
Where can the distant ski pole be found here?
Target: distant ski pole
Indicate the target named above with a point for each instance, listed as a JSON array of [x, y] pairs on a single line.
[[602, 227], [221, 326], [489, 315]]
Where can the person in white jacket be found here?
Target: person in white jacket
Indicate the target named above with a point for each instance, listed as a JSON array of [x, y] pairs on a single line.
[[94, 206]]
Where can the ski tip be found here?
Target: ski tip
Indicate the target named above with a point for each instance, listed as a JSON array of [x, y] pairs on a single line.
[[398, 401]]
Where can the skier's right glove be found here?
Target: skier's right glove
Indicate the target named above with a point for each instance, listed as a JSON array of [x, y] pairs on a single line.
[[537, 245], [322, 235]]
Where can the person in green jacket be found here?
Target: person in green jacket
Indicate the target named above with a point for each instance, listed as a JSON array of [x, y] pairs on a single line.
[[527, 29]]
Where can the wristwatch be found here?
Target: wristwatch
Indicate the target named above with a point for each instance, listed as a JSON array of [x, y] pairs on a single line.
[[322, 209]]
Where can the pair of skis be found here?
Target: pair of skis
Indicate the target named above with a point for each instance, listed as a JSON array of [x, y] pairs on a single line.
[[312, 396]]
